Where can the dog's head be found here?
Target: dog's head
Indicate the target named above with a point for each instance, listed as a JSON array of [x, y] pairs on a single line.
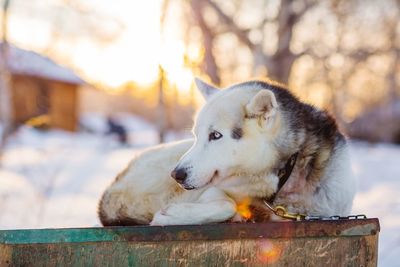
[[234, 133]]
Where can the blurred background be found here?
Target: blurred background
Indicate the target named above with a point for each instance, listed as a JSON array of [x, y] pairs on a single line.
[[84, 84]]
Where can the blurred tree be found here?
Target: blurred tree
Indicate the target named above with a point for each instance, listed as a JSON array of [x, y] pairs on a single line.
[[209, 65], [162, 107], [350, 61], [69, 22], [380, 120], [5, 94], [278, 63], [162, 110], [344, 55]]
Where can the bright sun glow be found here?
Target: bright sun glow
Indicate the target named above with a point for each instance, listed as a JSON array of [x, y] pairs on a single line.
[[172, 60], [134, 56]]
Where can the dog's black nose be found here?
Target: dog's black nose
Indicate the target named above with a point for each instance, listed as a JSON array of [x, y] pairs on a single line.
[[179, 175]]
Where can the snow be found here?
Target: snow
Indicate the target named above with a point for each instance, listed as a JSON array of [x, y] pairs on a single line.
[[55, 179], [377, 168], [141, 133], [27, 62]]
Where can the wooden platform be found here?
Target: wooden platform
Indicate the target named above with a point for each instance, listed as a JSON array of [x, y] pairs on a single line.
[[304, 243]]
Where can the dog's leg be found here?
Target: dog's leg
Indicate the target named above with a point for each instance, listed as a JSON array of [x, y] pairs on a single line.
[[212, 206]]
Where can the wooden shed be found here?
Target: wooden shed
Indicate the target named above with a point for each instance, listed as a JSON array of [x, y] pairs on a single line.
[[42, 88]]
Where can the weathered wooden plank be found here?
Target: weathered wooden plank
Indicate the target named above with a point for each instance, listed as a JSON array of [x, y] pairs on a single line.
[[337, 251], [322, 243], [195, 232]]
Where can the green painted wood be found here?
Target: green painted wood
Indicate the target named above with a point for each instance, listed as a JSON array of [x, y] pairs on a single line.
[[193, 232], [322, 243]]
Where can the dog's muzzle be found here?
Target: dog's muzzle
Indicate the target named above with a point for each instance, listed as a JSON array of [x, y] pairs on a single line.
[[180, 175]]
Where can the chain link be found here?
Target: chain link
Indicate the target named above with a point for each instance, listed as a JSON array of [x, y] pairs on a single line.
[[335, 217], [283, 213]]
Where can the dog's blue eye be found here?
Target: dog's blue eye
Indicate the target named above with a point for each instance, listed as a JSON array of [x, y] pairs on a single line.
[[214, 135]]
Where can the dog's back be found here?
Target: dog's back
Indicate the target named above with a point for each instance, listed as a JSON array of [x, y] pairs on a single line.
[[327, 173]]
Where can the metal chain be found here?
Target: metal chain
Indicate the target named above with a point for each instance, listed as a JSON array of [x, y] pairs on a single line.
[[336, 217], [283, 213]]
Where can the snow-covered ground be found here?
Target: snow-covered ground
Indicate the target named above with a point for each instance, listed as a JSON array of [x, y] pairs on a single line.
[[377, 168], [55, 179]]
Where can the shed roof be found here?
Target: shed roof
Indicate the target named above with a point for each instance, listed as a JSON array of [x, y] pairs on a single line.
[[30, 63]]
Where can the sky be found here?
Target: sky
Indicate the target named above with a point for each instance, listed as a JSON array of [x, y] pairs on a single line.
[[133, 53]]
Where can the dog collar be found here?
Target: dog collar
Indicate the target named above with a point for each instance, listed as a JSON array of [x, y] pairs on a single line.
[[283, 175]]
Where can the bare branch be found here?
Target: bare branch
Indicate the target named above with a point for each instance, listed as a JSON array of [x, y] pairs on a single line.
[[307, 6], [240, 33]]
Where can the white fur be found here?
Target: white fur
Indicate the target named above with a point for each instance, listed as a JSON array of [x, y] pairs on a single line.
[[208, 160], [223, 172]]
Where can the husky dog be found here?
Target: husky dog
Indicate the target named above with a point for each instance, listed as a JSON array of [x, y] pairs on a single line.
[[243, 137]]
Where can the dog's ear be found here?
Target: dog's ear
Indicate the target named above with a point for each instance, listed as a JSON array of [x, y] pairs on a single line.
[[207, 90], [263, 105]]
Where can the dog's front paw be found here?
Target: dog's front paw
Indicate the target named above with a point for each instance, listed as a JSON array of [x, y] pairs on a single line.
[[168, 215], [160, 219], [237, 218]]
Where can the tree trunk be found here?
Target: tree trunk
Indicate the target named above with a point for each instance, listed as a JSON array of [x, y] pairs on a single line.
[[209, 65], [6, 116], [280, 64], [161, 120], [395, 67]]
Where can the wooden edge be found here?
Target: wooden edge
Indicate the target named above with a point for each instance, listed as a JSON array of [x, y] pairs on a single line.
[[5, 255], [288, 229]]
